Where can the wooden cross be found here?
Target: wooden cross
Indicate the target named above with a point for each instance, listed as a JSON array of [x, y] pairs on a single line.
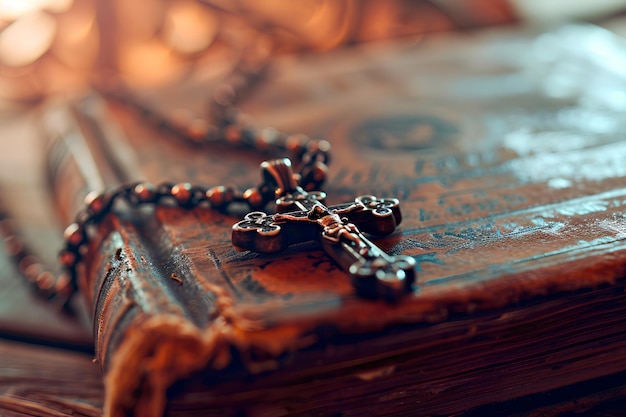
[[302, 216]]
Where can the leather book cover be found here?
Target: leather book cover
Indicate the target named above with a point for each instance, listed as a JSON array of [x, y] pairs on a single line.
[[505, 152]]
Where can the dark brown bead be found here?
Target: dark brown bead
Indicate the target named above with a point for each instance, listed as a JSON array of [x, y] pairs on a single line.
[[316, 151], [74, 234], [312, 145], [197, 129], [182, 192], [254, 198], [220, 196], [68, 258], [313, 176], [265, 138], [82, 217], [95, 203], [145, 192], [233, 135], [63, 285], [295, 143], [315, 145], [319, 172]]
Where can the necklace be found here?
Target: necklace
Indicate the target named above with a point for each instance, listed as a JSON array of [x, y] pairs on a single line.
[[301, 211]]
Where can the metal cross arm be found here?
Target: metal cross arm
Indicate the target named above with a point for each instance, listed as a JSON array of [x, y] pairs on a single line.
[[302, 216]]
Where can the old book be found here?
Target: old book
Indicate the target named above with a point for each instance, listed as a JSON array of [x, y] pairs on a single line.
[[507, 168]]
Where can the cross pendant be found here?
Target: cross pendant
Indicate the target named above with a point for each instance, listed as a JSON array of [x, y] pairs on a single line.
[[302, 216]]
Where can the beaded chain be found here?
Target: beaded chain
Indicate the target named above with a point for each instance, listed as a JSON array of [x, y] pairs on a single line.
[[310, 155]]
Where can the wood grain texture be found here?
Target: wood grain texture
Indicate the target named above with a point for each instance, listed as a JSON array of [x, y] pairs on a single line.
[[47, 382], [509, 170]]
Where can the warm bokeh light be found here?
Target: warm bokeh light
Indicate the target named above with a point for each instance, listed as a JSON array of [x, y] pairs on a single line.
[[13, 9], [189, 27], [150, 63], [52, 77], [77, 31], [315, 24], [136, 20], [154, 43], [56, 6], [27, 39]]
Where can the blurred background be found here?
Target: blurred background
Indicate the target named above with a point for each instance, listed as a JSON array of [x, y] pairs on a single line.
[[50, 47]]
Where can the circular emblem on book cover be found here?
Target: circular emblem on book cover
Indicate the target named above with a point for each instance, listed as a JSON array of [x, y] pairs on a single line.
[[403, 132]]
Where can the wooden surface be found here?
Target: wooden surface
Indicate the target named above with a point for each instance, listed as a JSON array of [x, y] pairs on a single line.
[[506, 151], [42, 381]]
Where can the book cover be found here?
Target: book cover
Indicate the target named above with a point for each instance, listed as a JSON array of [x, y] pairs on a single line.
[[507, 167], [504, 150]]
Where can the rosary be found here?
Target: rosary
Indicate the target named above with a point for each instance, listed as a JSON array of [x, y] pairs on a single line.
[[301, 213]]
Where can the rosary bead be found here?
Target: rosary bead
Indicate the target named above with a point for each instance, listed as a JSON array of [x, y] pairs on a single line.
[[221, 196], [198, 129], [97, 203], [320, 172], [74, 234], [295, 143], [45, 281], [312, 145], [32, 271], [144, 192], [182, 193], [68, 258], [63, 286], [233, 135], [318, 145], [229, 194], [313, 176], [254, 198], [248, 137], [317, 150], [185, 122], [265, 138]]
